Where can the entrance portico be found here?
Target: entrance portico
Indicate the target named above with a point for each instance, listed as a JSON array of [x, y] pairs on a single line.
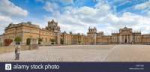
[[125, 36], [125, 39]]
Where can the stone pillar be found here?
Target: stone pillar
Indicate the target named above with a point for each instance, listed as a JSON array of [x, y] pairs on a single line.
[[120, 39], [65, 39], [34, 44], [58, 38], [131, 39], [95, 39], [125, 38], [128, 39]]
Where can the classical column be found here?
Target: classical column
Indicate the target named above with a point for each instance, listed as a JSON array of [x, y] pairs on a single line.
[[128, 40], [120, 39], [58, 38], [123, 38], [95, 39], [131, 38]]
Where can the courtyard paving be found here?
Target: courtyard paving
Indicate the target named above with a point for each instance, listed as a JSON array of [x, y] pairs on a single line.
[[84, 53]]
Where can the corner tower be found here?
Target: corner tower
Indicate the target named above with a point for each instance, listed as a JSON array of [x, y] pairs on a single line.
[[53, 26], [92, 34]]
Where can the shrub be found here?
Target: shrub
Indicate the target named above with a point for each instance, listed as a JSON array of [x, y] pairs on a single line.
[[7, 42], [53, 40], [17, 40]]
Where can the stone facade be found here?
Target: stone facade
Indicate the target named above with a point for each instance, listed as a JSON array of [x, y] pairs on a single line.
[[33, 34], [29, 33], [125, 36], [46, 37], [53, 27], [1, 40], [66, 38], [23, 30]]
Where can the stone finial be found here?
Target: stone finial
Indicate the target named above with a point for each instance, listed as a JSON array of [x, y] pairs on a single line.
[[52, 20], [64, 32], [29, 22], [70, 32], [11, 23]]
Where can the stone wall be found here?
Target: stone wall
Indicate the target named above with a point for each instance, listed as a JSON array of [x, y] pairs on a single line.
[[6, 49]]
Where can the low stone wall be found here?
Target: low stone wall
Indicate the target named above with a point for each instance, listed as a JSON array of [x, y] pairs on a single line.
[[34, 46], [1, 44], [5, 49]]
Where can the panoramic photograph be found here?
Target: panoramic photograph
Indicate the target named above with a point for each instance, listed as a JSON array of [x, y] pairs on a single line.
[[74, 31]]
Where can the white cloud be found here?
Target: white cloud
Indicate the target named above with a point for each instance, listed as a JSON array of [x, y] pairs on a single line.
[[102, 17], [9, 12], [8, 8], [5, 19], [148, 13], [143, 6], [79, 19], [51, 7], [86, 11], [68, 1], [128, 19]]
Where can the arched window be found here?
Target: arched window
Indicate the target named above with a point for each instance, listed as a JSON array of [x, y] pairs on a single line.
[[28, 41]]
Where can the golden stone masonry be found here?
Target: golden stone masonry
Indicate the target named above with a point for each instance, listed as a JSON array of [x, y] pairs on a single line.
[[51, 35]]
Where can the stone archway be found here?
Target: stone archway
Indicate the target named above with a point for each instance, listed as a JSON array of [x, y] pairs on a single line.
[[28, 41], [125, 41]]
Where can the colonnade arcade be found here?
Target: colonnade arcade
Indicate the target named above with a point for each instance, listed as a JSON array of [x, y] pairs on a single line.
[[125, 39]]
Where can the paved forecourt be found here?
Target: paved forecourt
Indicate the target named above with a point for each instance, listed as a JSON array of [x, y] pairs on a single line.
[[84, 53]]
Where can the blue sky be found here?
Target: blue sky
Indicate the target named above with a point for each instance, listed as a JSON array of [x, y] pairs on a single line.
[[35, 7], [79, 15]]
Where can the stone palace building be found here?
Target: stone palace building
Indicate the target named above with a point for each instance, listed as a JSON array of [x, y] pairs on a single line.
[[51, 35]]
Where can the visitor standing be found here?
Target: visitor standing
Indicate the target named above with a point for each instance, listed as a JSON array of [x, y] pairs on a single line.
[[17, 52]]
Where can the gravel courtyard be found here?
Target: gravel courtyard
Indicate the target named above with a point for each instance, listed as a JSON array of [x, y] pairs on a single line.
[[84, 53]]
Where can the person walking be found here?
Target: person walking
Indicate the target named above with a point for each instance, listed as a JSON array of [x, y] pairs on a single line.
[[17, 52]]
